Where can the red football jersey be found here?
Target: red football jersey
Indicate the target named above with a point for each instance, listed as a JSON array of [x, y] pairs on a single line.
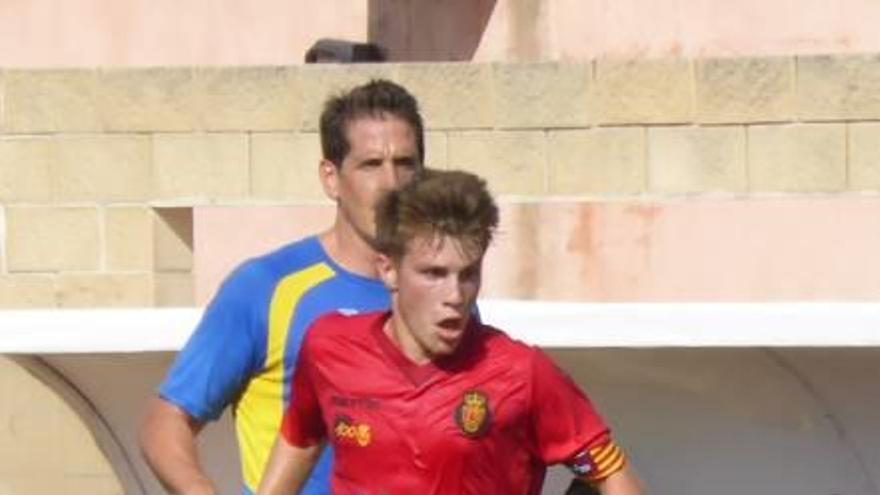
[[486, 420]]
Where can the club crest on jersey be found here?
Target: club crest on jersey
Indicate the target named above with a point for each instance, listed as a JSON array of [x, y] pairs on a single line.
[[473, 415]]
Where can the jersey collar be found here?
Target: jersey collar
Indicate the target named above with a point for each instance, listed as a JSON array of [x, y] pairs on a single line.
[[419, 374]]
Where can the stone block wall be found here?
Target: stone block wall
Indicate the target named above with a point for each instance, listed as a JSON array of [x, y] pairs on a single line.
[[100, 169]]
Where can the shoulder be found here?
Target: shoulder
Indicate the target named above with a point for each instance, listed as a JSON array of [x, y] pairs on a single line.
[[288, 258], [525, 360], [496, 350], [498, 342], [335, 328], [264, 272]]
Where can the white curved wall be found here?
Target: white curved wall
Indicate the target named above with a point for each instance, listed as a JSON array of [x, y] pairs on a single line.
[[694, 421]]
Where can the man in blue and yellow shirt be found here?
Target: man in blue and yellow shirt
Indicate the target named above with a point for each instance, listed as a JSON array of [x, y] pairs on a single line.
[[243, 352]]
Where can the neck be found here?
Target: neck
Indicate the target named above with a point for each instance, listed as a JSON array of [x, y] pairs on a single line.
[[349, 250], [395, 330]]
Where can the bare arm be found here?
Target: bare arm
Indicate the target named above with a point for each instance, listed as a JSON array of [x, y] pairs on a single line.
[[168, 443], [288, 468], [623, 482]]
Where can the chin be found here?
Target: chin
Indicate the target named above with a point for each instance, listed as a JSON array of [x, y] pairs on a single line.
[[446, 349]]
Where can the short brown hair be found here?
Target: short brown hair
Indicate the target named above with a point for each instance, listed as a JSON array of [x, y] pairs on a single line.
[[438, 203], [378, 98]]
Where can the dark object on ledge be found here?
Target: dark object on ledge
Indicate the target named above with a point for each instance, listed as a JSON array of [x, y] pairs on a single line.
[[328, 50]]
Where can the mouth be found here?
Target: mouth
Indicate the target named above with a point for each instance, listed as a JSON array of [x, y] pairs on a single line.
[[451, 329], [451, 323]]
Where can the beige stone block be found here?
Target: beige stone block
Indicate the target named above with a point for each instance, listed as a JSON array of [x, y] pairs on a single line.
[[542, 95], [154, 99], [511, 162], [200, 166], [285, 166], [80, 456], [25, 457], [797, 158], [644, 91], [24, 169], [29, 426], [597, 161], [318, 82], [173, 239], [12, 375], [838, 87], [174, 290], [50, 481], [48, 239], [129, 238], [436, 149], [697, 159], [16, 380], [740, 90], [56, 100], [41, 437], [81, 290], [864, 156], [106, 484], [27, 291], [102, 168], [451, 95], [249, 98]]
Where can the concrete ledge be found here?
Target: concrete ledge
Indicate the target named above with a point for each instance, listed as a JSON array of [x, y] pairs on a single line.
[[545, 324]]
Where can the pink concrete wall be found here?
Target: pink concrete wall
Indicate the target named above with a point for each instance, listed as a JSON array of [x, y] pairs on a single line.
[[586, 29], [696, 28], [39, 33], [224, 236], [698, 250]]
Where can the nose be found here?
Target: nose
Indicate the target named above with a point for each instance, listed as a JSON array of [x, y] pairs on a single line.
[[454, 293], [390, 175]]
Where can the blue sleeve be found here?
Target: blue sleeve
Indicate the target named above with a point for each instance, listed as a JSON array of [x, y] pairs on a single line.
[[223, 352]]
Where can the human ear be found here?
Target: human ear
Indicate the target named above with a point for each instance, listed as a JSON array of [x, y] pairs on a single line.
[[387, 272], [328, 173]]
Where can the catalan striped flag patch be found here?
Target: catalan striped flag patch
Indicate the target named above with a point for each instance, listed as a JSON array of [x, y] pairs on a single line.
[[599, 462]]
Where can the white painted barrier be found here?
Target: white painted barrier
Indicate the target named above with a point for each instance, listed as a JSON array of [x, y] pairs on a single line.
[[546, 324]]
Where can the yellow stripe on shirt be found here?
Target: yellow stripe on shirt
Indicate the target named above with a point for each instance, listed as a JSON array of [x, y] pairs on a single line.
[[259, 412]]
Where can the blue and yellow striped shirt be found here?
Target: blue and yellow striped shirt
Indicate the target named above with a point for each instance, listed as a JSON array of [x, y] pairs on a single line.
[[244, 350]]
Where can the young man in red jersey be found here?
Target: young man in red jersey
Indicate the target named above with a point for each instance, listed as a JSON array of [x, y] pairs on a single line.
[[424, 399]]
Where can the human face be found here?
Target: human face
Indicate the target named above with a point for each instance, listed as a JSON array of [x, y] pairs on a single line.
[[434, 287], [383, 156]]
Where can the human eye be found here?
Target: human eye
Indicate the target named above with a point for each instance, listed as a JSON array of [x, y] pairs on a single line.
[[371, 163], [471, 273], [434, 272], [406, 162]]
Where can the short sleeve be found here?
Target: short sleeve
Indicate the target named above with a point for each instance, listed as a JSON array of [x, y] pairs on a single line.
[[303, 424], [221, 354], [563, 419]]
